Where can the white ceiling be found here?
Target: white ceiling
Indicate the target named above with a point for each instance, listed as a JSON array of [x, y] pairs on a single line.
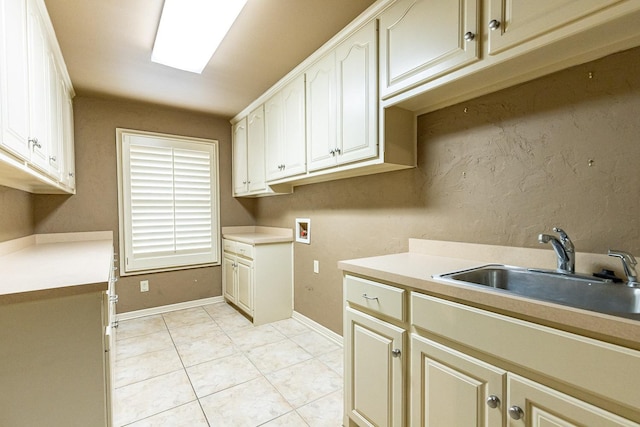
[[107, 46]]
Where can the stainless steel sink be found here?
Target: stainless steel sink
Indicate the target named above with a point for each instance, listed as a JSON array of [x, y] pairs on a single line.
[[584, 292]]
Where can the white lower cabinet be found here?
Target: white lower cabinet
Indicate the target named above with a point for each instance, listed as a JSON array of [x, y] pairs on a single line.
[[258, 279], [471, 367], [374, 370], [441, 376], [375, 360]]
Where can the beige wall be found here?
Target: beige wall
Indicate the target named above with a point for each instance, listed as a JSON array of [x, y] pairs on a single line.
[[16, 214], [498, 170], [95, 206]]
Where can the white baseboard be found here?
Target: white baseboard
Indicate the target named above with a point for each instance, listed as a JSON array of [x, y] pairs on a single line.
[[317, 327], [311, 324], [167, 308]]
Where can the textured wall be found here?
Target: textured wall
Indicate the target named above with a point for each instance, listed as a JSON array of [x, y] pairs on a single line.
[[16, 214], [95, 206], [497, 170]]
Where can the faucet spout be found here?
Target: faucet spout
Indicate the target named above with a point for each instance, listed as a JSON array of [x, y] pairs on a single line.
[[564, 249]]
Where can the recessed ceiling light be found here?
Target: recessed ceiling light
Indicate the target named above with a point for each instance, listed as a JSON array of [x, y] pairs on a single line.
[[190, 31]]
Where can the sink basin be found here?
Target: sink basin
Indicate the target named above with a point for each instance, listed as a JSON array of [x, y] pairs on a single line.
[[590, 293]]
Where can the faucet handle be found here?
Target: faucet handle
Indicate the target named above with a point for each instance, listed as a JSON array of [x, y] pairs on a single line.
[[628, 263]]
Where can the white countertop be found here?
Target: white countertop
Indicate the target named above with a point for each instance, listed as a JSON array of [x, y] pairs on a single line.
[[49, 265], [414, 270], [257, 235]]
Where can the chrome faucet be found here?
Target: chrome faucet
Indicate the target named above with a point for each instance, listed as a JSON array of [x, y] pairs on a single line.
[[564, 250], [629, 265]]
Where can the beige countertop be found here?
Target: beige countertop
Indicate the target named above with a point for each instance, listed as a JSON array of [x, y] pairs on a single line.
[[256, 235], [414, 270], [53, 265]]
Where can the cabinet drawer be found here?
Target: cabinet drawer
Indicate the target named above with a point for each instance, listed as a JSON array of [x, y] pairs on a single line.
[[244, 250], [383, 299], [229, 246], [239, 248]]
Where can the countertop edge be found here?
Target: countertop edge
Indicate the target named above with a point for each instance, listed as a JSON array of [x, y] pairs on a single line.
[[616, 330]]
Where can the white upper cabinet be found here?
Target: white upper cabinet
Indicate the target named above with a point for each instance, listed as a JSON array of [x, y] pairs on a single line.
[[285, 132], [14, 78], [321, 113], [255, 147], [69, 166], [357, 94], [515, 22], [36, 122], [240, 157], [342, 102], [422, 39], [39, 72]]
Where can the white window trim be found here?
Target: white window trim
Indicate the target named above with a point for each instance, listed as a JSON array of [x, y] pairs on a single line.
[[130, 264]]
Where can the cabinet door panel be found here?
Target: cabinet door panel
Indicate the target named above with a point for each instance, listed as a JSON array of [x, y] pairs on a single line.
[[228, 279], [255, 147], [293, 130], [440, 376], [240, 157], [357, 67], [521, 21], [38, 89], [273, 113], [14, 78], [421, 39], [374, 377], [321, 113], [245, 286], [545, 407]]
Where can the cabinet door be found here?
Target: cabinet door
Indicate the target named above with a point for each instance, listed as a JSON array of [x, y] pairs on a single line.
[[449, 388], [321, 113], [14, 78], [54, 114], [229, 286], [240, 157], [357, 82], [422, 39], [293, 130], [541, 406], [245, 286], [255, 148], [374, 370], [38, 88], [521, 21], [273, 134], [69, 167]]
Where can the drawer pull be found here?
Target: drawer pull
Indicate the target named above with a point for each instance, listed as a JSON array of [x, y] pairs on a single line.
[[367, 297], [396, 352]]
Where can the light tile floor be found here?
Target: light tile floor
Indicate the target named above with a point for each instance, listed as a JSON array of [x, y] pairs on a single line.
[[209, 366]]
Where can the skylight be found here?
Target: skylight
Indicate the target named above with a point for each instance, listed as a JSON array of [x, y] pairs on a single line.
[[190, 31]]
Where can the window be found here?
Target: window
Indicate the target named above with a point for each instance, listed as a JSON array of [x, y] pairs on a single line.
[[168, 201]]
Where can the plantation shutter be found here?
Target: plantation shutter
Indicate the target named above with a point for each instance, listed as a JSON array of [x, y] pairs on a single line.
[[170, 203]]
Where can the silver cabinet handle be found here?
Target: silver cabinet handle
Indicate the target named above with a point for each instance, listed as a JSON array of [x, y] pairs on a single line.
[[337, 151], [516, 412], [469, 36], [70, 174], [493, 401], [35, 143], [52, 158], [396, 352], [494, 24], [367, 297]]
